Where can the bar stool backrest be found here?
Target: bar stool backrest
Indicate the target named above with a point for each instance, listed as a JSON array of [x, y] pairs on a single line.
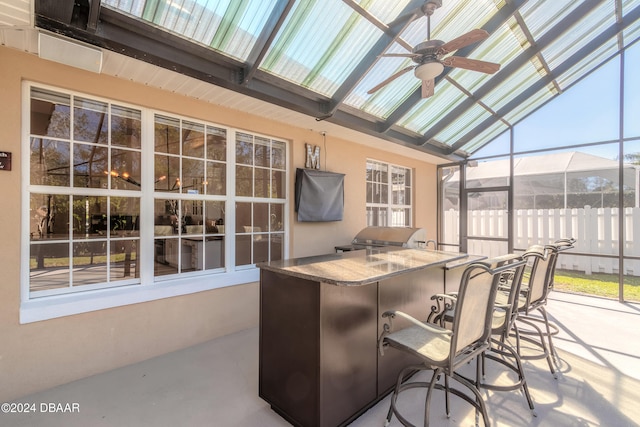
[[473, 311], [512, 279], [539, 275]]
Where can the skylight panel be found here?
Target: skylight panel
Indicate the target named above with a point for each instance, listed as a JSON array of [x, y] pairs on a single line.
[[513, 85], [631, 33], [430, 111], [484, 137], [319, 45], [384, 10], [541, 16], [382, 102], [588, 63], [131, 7], [472, 118], [387, 99], [629, 5], [533, 102], [579, 35], [230, 27]]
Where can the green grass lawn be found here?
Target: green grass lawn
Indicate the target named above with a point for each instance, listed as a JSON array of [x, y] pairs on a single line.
[[600, 284]]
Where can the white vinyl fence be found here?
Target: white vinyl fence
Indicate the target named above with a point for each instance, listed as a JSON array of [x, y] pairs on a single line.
[[596, 231]]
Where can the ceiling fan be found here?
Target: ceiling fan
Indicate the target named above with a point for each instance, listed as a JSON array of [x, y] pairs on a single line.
[[429, 55]]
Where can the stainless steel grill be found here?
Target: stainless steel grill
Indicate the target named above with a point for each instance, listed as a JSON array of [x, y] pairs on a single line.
[[405, 237]]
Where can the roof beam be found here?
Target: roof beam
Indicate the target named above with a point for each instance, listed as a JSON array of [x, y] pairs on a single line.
[[611, 32], [533, 50], [268, 33], [494, 23], [131, 37], [389, 36], [368, 127], [94, 13]]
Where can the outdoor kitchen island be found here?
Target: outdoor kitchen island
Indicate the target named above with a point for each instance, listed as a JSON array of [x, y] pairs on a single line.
[[320, 318]]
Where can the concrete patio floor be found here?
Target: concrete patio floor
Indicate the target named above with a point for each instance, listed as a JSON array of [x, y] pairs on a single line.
[[216, 383]]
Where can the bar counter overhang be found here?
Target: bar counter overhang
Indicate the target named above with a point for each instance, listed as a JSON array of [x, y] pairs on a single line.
[[320, 318]]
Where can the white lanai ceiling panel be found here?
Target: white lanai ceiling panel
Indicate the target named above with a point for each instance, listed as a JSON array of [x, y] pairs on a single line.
[[15, 13], [23, 39], [115, 64]]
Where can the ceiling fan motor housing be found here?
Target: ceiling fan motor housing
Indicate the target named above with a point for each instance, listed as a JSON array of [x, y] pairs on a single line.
[[430, 6], [428, 51]]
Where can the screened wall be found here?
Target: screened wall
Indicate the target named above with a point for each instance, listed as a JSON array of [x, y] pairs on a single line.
[[569, 169]]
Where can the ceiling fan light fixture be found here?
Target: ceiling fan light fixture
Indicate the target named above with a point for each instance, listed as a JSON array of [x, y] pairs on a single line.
[[429, 71]]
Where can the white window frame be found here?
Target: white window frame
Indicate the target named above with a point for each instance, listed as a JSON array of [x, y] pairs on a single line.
[[150, 288], [390, 206]]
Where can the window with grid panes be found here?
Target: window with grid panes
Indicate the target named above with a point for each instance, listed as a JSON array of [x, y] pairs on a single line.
[[84, 198], [388, 195], [260, 196], [120, 196]]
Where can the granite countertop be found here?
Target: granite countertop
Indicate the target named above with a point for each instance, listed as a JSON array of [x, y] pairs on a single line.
[[361, 267], [463, 262]]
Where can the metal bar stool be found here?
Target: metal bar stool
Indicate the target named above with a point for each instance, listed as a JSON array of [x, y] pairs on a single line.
[[445, 350], [539, 330], [503, 318]]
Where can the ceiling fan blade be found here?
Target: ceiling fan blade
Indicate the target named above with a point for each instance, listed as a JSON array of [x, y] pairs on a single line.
[[404, 19], [471, 64], [466, 39], [427, 88], [390, 79], [401, 55]]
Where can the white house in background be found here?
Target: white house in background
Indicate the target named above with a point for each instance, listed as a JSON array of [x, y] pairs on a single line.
[[556, 180]]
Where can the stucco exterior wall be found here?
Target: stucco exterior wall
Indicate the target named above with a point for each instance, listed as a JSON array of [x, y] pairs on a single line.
[[40, 355]]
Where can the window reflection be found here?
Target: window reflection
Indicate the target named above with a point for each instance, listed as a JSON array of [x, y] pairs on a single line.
[[85, 234], [96, 236], [189, 236], [50, 162], [49, 216], [50, 114], [49, 266], [216, 143], [259, 232], [126, 173], [192, 139], [90, 166], [388, 195], [126, 127], [90, 121]]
